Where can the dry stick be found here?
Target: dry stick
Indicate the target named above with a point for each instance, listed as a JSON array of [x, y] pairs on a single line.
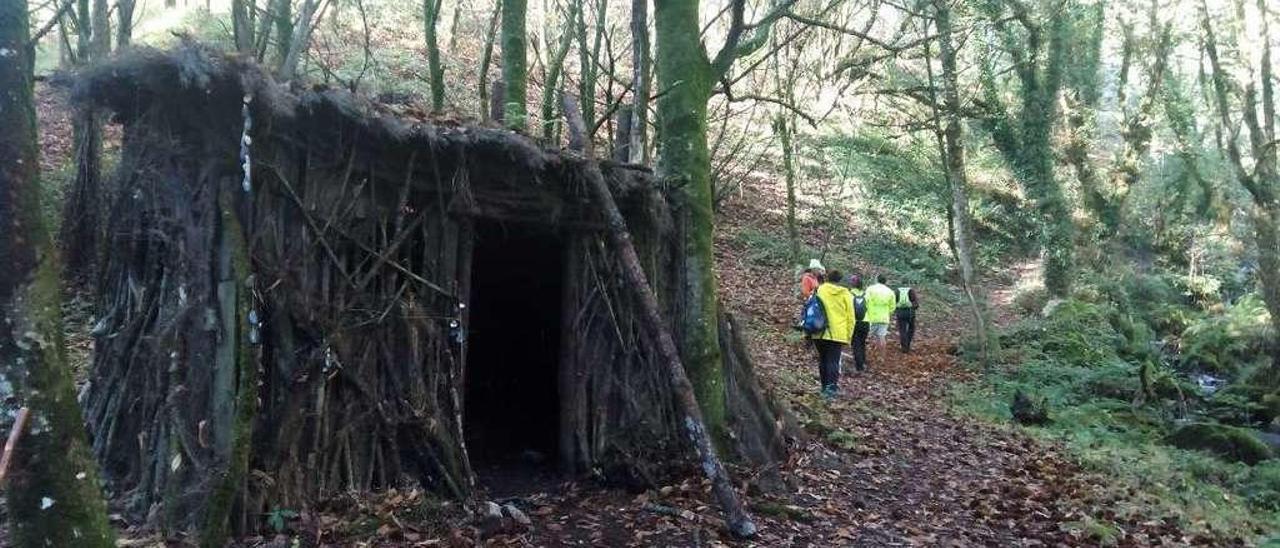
[[736, 516], [15, 434]]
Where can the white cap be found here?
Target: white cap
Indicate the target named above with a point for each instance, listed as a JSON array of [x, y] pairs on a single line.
[[815, 264]]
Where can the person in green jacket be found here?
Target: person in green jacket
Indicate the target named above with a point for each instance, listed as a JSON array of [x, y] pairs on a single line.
[[837, 304], [880, 304]]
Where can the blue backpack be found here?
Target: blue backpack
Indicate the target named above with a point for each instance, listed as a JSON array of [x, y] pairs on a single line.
[[813, 319]]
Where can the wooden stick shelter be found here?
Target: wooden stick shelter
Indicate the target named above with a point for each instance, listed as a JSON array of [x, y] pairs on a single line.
[[304, 296]]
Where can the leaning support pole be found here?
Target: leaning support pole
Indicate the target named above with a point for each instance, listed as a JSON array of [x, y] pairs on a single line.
[[736, 516]]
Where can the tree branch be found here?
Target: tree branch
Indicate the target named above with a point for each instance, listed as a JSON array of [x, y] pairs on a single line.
[[766, 99], [48, 26], [734, 46]]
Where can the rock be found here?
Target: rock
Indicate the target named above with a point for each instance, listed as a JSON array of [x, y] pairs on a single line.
[[491, 519], [517, 515], [492, 512], [1272, 439], [1230, 443], [1049, 307], [1027, 410]]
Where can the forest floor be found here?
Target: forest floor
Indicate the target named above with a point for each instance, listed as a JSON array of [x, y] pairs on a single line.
[[886, 464]]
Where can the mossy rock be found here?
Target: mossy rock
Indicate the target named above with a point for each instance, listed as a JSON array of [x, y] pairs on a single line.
[[1270, 407], [1228, 442]]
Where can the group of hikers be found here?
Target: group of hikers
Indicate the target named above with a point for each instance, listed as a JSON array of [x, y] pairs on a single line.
[[839, 312]]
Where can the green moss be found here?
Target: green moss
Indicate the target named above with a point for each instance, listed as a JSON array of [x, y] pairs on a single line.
[[684, 72], [1234, 444], [515, 73], [53, 497], [228, 483]]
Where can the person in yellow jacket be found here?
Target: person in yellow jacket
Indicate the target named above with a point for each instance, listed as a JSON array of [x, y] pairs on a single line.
[[881, 300], [837, 305]]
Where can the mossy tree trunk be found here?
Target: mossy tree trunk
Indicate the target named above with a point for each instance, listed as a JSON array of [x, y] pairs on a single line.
[[588, 60], [53, 494], [514, 64], [1262, 182], [686, 75], [555, 67], [782, 125], [1024, 136], [435, 71], [685, 71], [954, 159], [241, 400], [739, 522]]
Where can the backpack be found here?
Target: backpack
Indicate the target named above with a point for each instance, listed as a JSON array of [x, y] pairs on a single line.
[[813, 318], [860, 308]]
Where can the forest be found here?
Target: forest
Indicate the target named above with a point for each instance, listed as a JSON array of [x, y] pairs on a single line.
[[287, 273]]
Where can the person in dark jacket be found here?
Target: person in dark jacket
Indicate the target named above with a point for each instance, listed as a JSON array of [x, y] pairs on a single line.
[[860, 328], [907, 303]]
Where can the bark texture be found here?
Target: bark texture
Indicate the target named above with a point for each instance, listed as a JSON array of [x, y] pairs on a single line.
[[684, 70], [515, 72], [52, 491], [435, 70]]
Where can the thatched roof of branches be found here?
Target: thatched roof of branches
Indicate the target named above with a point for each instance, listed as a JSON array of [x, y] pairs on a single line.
[[206, 88]]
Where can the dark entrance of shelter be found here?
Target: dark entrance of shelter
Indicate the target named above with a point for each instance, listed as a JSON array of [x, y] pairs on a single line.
[[512, 400]]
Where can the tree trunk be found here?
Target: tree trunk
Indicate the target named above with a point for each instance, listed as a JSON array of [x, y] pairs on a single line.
[[453, 26], [233, 452], [640, 82], [300, 41], [782, 127], [1263, 182], [101, 30], [242, 27], [435, 72], [555, 67], [514, 64], [953, 134], [1025, 140], [124, 23], [485, 59], [736, 517], [53, 495], [621, 141], [284, 29], [588, 60], [82, 211], [685, 72]]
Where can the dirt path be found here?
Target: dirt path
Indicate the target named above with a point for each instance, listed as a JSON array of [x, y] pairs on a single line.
[[900, 470]]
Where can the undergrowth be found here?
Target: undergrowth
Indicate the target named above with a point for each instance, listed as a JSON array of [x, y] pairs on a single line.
[[1087, 358]]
